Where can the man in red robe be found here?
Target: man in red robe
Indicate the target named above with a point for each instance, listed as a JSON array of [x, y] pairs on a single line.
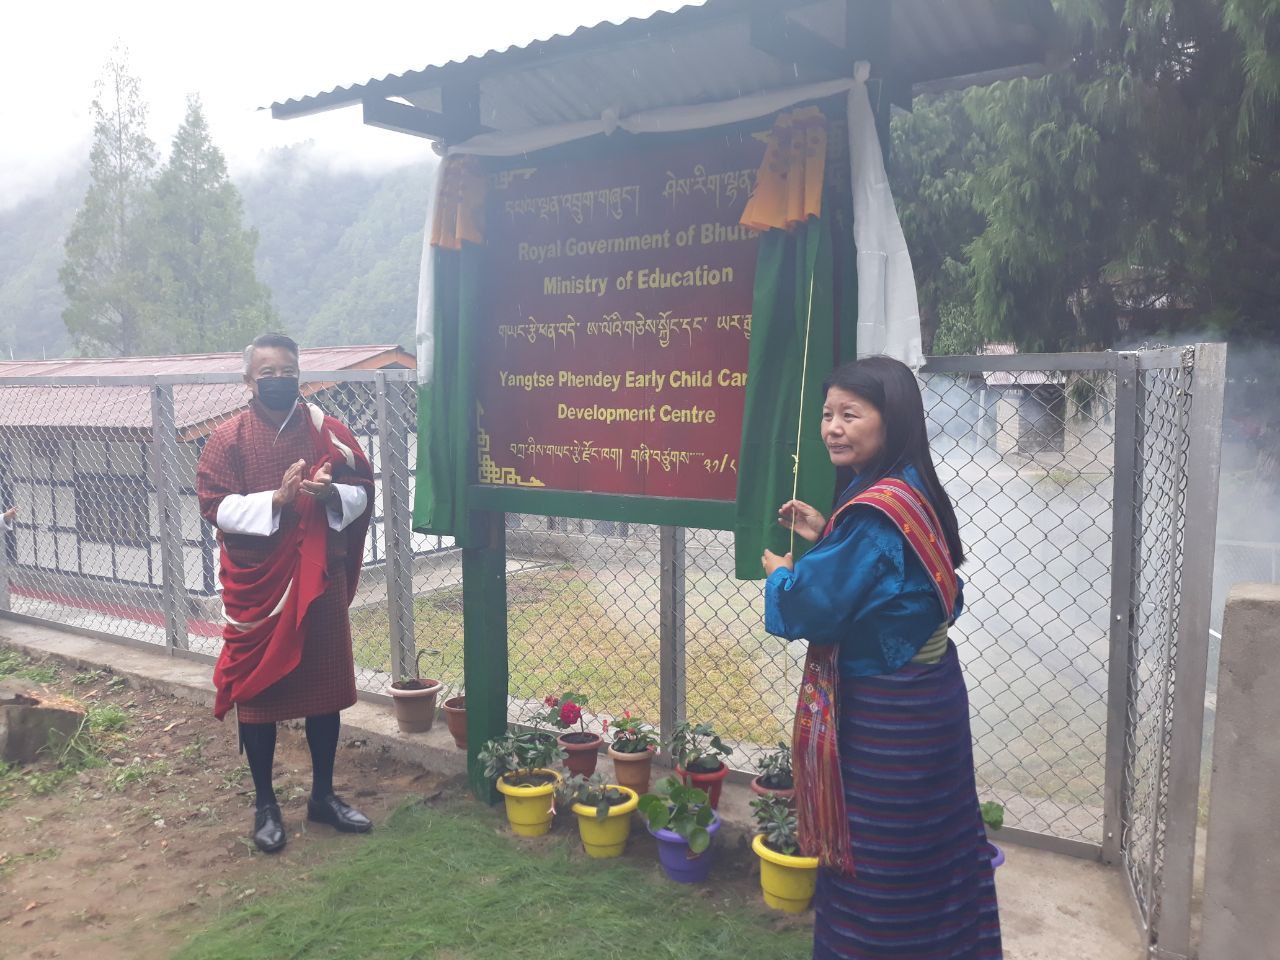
[[290, 492]]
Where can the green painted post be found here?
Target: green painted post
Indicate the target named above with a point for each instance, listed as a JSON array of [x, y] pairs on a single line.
[[484, 641]]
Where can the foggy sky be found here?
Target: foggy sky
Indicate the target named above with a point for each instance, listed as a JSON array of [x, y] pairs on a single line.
[[240, 56]]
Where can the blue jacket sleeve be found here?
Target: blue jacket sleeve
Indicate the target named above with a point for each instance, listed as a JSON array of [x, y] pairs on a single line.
[[819, 600]]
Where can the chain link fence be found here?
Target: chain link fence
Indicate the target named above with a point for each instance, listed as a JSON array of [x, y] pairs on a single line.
[[1069, 474]]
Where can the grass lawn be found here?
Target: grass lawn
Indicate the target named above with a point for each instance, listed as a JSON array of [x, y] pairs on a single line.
[[596, 633], [447, 882]]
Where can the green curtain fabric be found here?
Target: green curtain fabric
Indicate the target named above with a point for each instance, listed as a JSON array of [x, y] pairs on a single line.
[[446, 406], [788, 266]]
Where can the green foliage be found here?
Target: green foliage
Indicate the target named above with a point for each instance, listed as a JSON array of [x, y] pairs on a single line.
[[106, 272], [517, 754], [593, 792], [633, 735], [206, 297], [1129, 195], [697, 747], [777, 821], [13, 664], [680, 809], [992, 814], [106, 718], [775, 768], [958, 331], [137, 772]]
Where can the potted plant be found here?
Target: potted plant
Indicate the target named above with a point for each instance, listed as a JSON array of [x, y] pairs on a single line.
[[581, 746], [787, 877], [519, 764], [699, 756], [603, 811], [993, 818], [775, 776], [455, 717], [415, 699], [634, 743], [680, 818]]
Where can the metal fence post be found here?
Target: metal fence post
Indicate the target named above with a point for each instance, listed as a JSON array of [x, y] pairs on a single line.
[[672, 629], [1200, 524], [164, 463], [393, 444], [1124, 510], [4, 569]]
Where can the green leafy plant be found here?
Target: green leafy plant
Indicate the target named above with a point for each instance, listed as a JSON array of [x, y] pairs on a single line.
[[680, 809], [697, 748], [106, 718], [593, 792], [416, 682], [992, 814], [633, 735], [775, 768], [515, 756], [777, 821]]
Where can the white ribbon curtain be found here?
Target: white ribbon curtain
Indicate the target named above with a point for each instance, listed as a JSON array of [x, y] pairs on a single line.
[[888, 313]]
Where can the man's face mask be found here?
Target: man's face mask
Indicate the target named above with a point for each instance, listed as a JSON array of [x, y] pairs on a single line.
[[278, 393]]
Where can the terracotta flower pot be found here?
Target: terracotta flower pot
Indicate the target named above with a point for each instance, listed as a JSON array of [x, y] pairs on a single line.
[[760, 790], [455, 715], [415, 707], [633, 770], [710, 782], [583, 753]]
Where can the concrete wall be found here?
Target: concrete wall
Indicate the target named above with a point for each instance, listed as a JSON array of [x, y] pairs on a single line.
[[1242, 865]]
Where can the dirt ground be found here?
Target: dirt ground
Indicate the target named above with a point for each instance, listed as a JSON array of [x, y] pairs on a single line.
[[124, 859]]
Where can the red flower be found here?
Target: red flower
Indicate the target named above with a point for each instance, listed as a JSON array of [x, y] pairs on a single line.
[[604, 726], [570, 713], [551, 701], [627, 714]]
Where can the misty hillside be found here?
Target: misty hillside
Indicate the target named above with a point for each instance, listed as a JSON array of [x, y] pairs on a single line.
[[338, 248]]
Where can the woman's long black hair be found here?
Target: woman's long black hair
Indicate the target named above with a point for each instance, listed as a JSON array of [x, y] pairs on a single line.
[[890, 387]]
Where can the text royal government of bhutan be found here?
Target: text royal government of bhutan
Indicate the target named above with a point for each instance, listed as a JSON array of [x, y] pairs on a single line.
[[696, 235]]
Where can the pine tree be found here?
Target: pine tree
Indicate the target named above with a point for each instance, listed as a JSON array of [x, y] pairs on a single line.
[[208, 297], [105, 272]]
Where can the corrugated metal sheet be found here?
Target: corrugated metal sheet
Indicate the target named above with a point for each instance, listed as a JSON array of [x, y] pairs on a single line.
[[129, 408], [698, 54]]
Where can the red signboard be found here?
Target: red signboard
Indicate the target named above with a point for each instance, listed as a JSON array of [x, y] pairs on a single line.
[[617, 319]]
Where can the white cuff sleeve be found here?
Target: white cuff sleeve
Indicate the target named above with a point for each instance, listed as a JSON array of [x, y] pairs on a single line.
[[351, 503], [251, 514], [8, 524]]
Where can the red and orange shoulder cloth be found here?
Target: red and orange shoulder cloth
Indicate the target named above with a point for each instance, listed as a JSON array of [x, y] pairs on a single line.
[[265, 603], [820, 809]]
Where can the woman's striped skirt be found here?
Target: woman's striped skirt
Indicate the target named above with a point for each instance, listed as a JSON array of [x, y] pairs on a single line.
[[923, 887]]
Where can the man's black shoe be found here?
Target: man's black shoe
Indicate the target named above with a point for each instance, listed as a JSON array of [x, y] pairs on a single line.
[[268, 828], [337, 814]]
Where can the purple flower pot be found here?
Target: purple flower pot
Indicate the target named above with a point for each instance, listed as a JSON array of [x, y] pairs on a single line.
[[997, 855], [673, 854]]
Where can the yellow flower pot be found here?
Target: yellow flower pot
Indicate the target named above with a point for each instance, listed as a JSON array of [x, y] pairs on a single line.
[[529, 809], [607, 837], [788, 882]]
